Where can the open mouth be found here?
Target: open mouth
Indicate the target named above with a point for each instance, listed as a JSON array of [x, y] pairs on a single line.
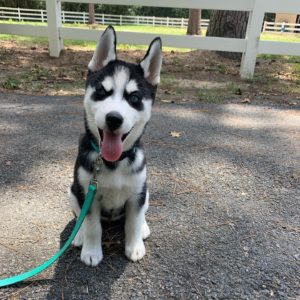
[[122, 138], [111, 144]]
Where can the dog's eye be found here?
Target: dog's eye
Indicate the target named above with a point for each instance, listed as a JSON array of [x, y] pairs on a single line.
[[134, 98], [100, 93]]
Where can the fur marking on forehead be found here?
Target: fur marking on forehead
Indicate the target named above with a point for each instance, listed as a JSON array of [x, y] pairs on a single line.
[[107, 83], [118, 81], [131, 86], [121, 77]]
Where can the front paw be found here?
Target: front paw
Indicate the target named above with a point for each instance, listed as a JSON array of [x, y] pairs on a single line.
[[135, 251], [91, 256], [145, 231], [78, 240]]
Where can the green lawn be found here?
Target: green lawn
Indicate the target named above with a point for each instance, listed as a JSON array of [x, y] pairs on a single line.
[[280, 37], [89, 45]]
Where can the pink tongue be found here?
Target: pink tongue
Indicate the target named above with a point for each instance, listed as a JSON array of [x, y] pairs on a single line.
[[112, 146]]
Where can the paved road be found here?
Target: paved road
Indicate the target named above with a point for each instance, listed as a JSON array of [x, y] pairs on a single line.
[[224, 215]]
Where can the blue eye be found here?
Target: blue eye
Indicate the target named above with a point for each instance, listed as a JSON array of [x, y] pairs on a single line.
[[134, 98]]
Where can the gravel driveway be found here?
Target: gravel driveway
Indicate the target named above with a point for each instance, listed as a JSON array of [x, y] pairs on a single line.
[[224, 210]]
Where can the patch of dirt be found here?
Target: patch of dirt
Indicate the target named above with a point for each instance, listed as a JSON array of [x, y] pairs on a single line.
[[186, 77]]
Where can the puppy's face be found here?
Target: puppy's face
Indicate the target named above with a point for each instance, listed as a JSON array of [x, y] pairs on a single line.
[[119, 95]]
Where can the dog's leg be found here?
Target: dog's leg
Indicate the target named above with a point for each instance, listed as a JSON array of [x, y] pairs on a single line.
[[145, 227], [78, 240], [91, 253], [136, 228], [90, 232]]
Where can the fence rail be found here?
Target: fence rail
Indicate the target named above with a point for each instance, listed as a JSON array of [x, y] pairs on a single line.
[[250, 46], [40, 15], [282, 27]]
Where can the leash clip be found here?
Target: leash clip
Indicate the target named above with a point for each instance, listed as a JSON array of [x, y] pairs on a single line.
[[97, 166]]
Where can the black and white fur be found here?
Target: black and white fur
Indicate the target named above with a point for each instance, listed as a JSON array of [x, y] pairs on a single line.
[[128, 90]]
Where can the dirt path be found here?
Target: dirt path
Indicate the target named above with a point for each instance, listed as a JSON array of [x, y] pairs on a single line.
[[224, 208]]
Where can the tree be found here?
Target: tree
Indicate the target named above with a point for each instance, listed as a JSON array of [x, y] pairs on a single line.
[[35, 4], [297, 27], [91, 13], [194, 22], [231, 24]]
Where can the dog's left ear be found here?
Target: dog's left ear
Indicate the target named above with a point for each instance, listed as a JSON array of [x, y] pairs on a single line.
[[105, 50], [151, 63]]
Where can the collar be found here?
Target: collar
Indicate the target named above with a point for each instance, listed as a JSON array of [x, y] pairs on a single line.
[[125, 154]]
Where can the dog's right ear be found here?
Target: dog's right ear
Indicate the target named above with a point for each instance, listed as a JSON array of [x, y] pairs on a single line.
[[151, 63], [105, 50]]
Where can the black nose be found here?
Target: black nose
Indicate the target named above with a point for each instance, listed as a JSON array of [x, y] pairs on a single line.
[[113, 120]]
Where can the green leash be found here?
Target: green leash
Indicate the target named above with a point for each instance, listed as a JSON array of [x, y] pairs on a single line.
[[92, 189]]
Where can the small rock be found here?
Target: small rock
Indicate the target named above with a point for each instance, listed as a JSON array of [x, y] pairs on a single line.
[[245, 100]]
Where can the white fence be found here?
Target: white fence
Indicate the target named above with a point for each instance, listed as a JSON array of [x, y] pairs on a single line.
[[250, 47], [40, 15], [282, 27]]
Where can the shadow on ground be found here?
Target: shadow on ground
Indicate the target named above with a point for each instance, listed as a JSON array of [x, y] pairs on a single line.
[[82, 285]]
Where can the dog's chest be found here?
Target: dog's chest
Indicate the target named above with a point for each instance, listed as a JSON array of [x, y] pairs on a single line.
[[116, 187], [114, 190]]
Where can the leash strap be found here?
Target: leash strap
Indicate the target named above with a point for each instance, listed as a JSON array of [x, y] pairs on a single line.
[[85, 208]]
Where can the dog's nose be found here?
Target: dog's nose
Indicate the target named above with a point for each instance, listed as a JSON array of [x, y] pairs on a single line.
[[114, 120]]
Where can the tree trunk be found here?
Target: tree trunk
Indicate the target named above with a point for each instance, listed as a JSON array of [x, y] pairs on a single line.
[[194, 22], [297, 22], [91, 13], [231, 24]]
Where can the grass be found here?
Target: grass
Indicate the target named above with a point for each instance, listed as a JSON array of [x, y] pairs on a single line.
[[11, 83], [90, 45], [218, 95], [280, 37], [136, 28]]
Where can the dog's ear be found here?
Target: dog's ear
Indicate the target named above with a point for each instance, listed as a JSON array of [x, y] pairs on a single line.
[[105, 50], [151, 63]]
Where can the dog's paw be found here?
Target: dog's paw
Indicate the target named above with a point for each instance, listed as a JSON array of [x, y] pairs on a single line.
[[78, 240], [136, 251], [91, 256], [145, 231]]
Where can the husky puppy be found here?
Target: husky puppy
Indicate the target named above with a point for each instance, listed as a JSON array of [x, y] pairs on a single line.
[[118, 101]]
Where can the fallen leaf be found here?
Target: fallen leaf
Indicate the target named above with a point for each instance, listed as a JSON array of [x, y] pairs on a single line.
[[246, 100], [175, 134], [170, 92]]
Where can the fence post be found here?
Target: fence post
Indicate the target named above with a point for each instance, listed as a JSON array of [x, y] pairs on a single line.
[[182, 22], [120, 20], [167, 21], [102, 19], [256, 18], [63, 16], [265, 25], [138, 20], [42, 16], [19, 14], [84, 17], [56, 44], [153, 22]]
